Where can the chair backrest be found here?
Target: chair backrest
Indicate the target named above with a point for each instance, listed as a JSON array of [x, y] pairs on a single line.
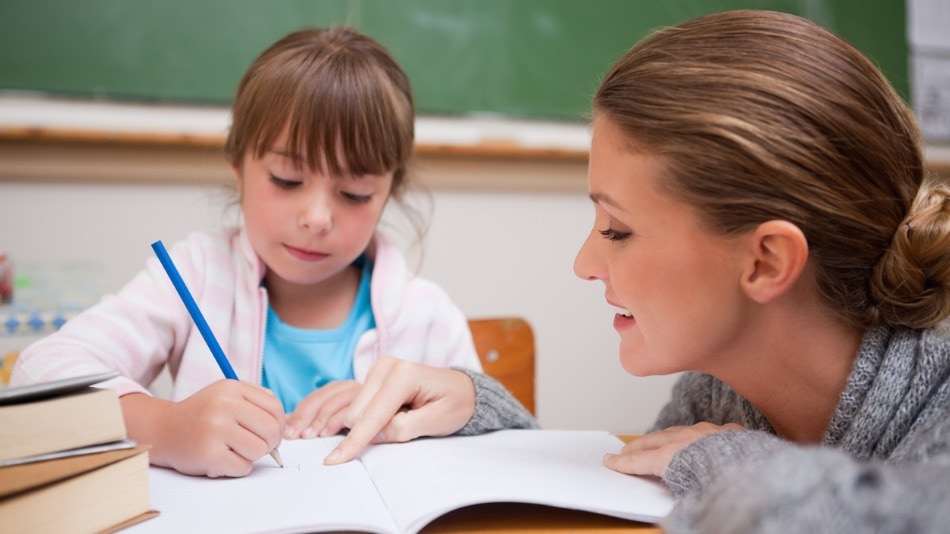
[[505, 347]]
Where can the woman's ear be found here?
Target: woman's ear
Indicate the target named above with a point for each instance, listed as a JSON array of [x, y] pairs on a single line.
[[778, 253]]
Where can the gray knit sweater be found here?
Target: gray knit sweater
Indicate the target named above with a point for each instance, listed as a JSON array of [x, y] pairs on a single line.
[[884, 465], [495, 407]]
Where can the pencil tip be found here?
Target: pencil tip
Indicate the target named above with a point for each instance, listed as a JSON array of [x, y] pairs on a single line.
[[275, 454]]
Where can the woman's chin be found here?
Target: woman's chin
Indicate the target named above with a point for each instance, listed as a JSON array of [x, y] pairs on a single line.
[[638, 363]]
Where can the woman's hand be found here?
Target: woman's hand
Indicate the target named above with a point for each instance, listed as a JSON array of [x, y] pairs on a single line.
[[321, 413], [219, 431], [401, 401], [651, 454]]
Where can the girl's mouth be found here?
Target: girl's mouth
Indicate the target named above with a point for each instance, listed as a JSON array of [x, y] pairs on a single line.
[[305, 255]]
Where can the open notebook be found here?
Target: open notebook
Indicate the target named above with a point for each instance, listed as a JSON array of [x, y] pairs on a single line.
[[400, 488]]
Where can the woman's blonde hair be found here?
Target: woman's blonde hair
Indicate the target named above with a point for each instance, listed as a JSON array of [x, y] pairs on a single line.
[[761, 115]]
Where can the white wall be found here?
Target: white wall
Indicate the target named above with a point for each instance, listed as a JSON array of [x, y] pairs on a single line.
[[497, 253]]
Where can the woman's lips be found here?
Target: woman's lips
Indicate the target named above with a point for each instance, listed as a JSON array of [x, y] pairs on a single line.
[[623, 321], [623, 318]]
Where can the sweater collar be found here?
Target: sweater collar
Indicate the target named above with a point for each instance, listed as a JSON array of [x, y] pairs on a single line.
[[892, 382]]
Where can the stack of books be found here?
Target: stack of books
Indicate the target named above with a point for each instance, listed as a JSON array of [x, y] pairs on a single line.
[[65, 462]]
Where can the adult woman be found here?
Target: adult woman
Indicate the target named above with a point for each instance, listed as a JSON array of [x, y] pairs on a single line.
[[763, 221]]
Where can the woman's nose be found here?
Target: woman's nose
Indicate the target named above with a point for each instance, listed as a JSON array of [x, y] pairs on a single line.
[[585, 261]]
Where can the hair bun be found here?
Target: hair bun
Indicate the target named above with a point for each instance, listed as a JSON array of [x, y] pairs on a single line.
[[911, 283]]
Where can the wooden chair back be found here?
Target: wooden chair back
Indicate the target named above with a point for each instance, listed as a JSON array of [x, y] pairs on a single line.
[[505, 347]]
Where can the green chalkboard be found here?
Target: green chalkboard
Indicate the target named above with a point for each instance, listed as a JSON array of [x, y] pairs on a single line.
[[526, 58]]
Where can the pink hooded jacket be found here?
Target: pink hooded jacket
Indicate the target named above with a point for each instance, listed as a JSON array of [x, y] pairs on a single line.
[[145, 326]]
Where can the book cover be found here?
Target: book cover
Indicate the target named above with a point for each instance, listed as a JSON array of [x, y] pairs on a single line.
[[85, 493], [56, 416]]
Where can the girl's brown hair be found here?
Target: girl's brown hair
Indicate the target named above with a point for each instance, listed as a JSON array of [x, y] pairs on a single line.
[[346, 103], [761, 115]]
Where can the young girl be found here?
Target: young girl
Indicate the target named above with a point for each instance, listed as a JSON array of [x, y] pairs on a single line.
[[303, 299], [762, 222]]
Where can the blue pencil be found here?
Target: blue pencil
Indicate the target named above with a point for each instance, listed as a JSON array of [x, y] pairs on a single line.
[[192, 307], [199, 320]]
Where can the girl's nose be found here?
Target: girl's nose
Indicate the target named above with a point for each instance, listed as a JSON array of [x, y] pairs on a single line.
[[317, 214]]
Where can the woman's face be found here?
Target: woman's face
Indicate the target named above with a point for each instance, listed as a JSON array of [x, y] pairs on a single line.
[[675, 285]]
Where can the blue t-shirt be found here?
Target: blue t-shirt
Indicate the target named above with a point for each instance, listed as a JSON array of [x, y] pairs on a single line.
[[297, 361]]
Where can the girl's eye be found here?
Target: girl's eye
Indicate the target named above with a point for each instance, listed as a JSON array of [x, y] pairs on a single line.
[[614, 235], [283, 183], [355, 198]]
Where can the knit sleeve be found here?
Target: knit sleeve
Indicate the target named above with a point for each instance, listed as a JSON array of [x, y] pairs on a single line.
[[746, 481], [698, 397], [495, 407]]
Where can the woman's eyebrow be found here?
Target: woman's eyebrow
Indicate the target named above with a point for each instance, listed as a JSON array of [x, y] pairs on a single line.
[[602, 198]]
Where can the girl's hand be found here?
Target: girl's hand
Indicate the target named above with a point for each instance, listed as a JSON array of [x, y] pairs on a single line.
[[219, 431], [651, 454], [321, 412], [403, 400]]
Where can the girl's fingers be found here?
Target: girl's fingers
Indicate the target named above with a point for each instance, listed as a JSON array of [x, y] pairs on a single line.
[[314, 413], [265, 400]]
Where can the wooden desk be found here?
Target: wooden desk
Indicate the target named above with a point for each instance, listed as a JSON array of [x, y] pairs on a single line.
[[514, 518]]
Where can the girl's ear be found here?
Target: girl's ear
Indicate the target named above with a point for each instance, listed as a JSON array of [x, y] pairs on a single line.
[[778, 253]]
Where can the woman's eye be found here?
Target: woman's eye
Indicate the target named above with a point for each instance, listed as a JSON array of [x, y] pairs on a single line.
[[284, 183], [355, 198], [614, 235]]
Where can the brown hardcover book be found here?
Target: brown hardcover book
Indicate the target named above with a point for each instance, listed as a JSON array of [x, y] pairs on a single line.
[[85, 493], [56, 416]]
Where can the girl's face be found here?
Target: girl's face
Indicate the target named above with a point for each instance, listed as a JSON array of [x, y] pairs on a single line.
[[676, 286], [305, 225]]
